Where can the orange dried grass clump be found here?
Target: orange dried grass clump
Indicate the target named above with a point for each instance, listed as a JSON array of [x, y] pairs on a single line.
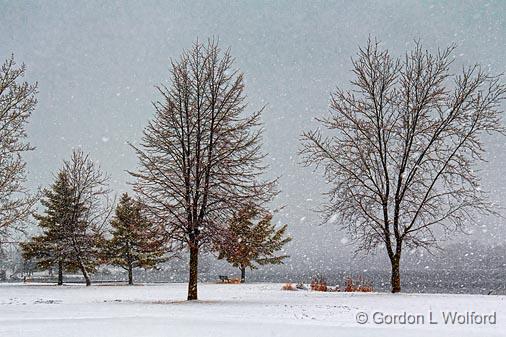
[[319, 283], [288, 286], [359, 285]]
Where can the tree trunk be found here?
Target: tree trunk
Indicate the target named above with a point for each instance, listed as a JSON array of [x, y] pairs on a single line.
[[243, 274], [86, 277], [85, 272], [130, 275], [396, 274], [60, 273], [194, 263]]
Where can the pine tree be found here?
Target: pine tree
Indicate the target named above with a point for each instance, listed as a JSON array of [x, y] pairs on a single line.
[[51, 248], [247, 244], [136, 242], [73, 220]]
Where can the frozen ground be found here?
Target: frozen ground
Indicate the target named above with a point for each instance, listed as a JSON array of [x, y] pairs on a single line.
[[230, 310]]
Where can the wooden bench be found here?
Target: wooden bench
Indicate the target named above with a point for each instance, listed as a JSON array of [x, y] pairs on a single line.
[[224, 279]]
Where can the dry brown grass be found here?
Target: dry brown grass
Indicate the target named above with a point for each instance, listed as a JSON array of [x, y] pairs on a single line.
[[359, 284], [318, 283], [289, 286]]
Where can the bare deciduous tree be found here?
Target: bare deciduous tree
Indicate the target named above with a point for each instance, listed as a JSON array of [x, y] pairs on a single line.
[[400, 149], [88, 212], [17, 102], [200, 158]]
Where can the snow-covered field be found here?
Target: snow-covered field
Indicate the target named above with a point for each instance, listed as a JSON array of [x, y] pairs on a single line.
[[234, 310]]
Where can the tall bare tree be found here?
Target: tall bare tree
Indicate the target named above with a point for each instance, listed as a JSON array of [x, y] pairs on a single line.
[[399, 149], [200, 157], [17, 102], [88, 212]]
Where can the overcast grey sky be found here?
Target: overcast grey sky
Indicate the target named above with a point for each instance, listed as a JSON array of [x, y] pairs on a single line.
[[97, 63]]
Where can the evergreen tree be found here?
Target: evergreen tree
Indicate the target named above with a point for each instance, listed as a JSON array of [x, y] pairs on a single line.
[[73, 220], [51, 248], [247, 244], [136, 242]]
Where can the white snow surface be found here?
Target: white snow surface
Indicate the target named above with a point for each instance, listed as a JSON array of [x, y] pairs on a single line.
[[229, 310]]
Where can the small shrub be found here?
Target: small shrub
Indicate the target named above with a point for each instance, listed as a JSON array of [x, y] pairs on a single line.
[[318, 283], [288, 286], [358, 285]]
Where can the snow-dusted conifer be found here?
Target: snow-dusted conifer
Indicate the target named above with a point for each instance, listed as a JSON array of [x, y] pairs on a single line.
[[251, 239], [52, 248], [136, 242], [77, 208]]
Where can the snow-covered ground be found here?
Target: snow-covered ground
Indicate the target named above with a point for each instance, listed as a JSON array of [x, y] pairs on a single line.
[[235, 310]]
